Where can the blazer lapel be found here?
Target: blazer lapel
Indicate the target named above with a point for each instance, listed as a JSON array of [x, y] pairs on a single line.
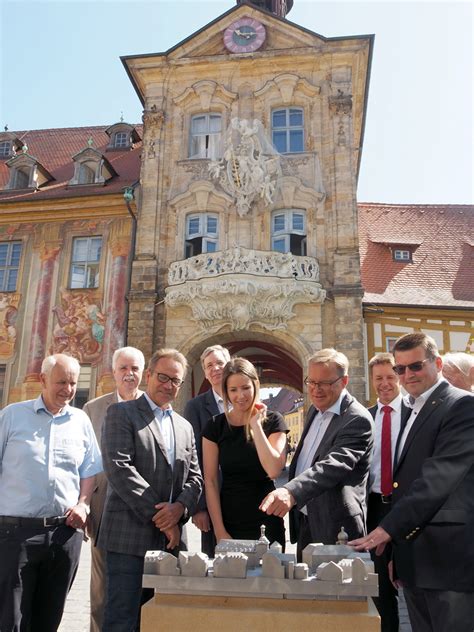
[[149, 418], [332, 428], [434, 400], [211, 404]]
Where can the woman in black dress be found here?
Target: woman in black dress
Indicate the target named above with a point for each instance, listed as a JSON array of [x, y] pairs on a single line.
[[249, 445]]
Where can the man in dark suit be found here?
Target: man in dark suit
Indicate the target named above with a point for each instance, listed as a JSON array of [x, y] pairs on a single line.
[[387, 414], [329, 471], [432, 517], [128, 364], [198, 411], [154, 482]]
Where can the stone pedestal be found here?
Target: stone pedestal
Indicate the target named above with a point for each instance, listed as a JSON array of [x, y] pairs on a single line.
[[233, 614]]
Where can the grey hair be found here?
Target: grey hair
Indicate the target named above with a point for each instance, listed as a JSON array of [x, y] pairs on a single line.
[[215, 349], [50, 361], [133, 351], [325, 356], [462, 361]]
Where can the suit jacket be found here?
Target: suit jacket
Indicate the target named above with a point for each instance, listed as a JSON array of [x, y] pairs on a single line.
[[334, 488], [432, 516], [97, 409], [140, 476], [198, 411]]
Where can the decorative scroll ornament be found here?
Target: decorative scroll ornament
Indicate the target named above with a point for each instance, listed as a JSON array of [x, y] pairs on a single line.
[[238, 288], [250, 166]]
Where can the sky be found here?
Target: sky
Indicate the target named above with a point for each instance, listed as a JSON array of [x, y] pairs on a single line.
[[60, 67]]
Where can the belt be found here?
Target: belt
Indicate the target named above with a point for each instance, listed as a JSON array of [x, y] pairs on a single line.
[[386, 500], [34, 523]]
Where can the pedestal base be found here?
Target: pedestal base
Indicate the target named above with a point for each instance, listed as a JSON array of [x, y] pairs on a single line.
[[195, 613]]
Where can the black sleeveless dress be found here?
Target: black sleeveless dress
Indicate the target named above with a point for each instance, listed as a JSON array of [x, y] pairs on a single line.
[[244, 481]]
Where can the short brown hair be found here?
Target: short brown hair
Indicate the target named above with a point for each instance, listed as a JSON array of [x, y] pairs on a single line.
[[417, 339], [174, 354], [381, 358]]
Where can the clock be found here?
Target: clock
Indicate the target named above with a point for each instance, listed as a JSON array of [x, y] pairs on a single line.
[[245, 35]]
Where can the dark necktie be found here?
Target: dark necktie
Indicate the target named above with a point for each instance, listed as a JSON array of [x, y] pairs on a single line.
[[386, 452]]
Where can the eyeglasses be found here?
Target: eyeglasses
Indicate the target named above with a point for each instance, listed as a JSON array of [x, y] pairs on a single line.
[[415, 367], [164, 379], [314, 384]]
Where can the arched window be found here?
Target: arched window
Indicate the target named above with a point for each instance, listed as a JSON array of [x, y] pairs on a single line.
[[202, 234], [288, 130], [289, 231], [205, 136], [5, 148]]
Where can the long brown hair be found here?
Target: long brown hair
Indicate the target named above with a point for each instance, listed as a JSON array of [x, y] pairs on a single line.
[[241, 366]]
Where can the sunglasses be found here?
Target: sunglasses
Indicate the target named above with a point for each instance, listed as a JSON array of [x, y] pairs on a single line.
[[415, 367]]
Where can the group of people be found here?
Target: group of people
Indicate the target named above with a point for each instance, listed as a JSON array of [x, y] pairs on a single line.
[[402, 470]]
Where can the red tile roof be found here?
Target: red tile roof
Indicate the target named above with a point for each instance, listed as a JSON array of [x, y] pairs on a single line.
[[54, 149], [440, 238]]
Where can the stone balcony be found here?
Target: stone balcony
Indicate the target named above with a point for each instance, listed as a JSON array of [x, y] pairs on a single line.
[[241, 287]]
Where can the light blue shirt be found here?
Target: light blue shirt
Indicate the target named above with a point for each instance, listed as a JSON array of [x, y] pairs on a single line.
[[43, 457], [164, 422]]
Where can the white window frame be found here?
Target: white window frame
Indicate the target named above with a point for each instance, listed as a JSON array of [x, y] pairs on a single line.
[[402, 254], [8, 267], [5, 148], [206, 236], [121, 140], [205, 148], [288, 128], [90, 265], [288, 230]]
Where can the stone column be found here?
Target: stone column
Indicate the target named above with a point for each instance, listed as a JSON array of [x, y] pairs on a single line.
[[115, 305], [347, 290], [143, 291], [37, 350]]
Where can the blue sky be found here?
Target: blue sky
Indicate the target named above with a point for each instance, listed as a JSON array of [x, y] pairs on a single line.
[[60, 67]]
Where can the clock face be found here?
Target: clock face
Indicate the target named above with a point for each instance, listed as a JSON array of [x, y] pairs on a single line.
[[244, 36]]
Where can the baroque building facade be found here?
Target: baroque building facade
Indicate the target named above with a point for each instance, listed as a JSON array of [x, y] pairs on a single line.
[[248, 220]]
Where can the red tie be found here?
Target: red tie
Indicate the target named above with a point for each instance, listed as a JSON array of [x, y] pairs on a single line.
[[386, 452]]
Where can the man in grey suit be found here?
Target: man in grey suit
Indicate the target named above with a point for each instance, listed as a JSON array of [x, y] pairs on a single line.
[[198, 411], [152, 468], [128, 364], [329, 471]]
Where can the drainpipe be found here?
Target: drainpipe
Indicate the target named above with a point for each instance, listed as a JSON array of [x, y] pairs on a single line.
[[128, 196]]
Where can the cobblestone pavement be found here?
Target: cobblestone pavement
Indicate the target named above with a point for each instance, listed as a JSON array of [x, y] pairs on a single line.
[[76, 614]]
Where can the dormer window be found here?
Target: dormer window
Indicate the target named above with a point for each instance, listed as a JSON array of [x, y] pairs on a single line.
[[91, 167], [5, 148], [21, 179], [86, 174], [10, 144], [26, 172], [122, 136], [402, 255], [121, 140]]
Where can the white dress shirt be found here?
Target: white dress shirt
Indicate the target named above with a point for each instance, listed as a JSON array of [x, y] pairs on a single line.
[[314, 436], [219, 401], [375, 473], [165, 426]]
